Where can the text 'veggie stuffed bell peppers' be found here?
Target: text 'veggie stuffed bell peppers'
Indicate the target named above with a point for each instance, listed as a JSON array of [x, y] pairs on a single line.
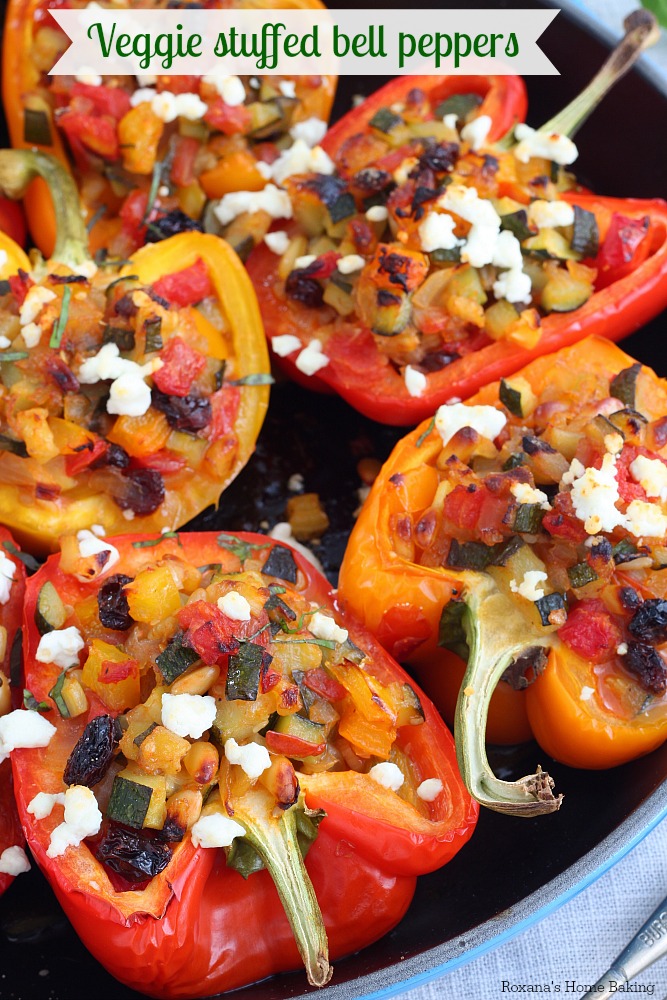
[[151, 154], [525, 530], [208, 694], [430, 257], [134, 391], [13, 860]]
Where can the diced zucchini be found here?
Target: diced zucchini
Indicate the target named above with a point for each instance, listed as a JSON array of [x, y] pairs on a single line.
[[498, 319], [563, 293], [585, 233], [50, 611], [624, 385], [528, 518], [300, 727], [138, 799], [522, 561], [138, 740], [563, 440], [37, 127], [581, 574], [392, 313], [410, 712], [444, 257], [517, 223], [469, 555], [385, 120], [153, 334], [267, 92], [175, 659], [549, 243], [266, 118], [631, 424], [599, 428], [343, 208], [281, 564], [551, 609], [624, 551], [460, 105], [466, 282], [451, 633], [122, 337], [195, 130], [338, 299], [517, 395], [244, 672], [514, 461]]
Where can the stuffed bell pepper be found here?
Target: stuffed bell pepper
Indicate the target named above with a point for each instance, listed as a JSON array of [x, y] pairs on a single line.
[[152, 155], [13, 860], [205, 693], [130, 396], [525, 532], [446, 243]]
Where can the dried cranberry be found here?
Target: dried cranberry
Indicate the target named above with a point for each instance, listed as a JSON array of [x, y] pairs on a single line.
[[184, 413], [170, 224], [437, 360], [62, 374], [125, 307], [144, 493], [134, 854], [649, 622], [90, 759], [113, 608], [648, 666], [114, 455], [441, 157], [303, 289]]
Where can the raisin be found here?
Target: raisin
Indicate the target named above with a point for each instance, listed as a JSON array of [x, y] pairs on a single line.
[[437, 360], [371, 180], [170, 224], [90, 759], [629, 598], [134, 854], [171, 832], [114, 455], [183, 413], [113, 609], [145, 492], [126, 307], [303, 289], [441, 157], [649, 622], [532, 445], [648, 666]]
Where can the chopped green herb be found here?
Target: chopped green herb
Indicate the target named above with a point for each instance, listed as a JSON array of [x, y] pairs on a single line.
[[56, 693], [242, 550], [116, 281], [156, 180], [96, 216], [424, 434], [451, 632], [28, 561], [13, 356], [325, 643], [61, 322], [258, 378], [153, 333], [149, 543], [31, 703]]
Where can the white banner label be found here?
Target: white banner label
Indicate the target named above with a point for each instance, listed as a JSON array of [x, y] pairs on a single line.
[[303, 42]]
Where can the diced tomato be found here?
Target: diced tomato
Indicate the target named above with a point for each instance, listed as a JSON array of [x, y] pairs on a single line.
[[111, 101], [628, 489], [181, 366], [324, 266], [269, 677], [227, 119], [292, 746], [318, 680], [184, 288], [225, 406], [112, 672], [133, 210], [475, 513], [591, 631], [74, 464], [626, 246], [183, 165], [97, 134], [209, 632], [163, 461], [562, 522], [19, 284], [267, 152]]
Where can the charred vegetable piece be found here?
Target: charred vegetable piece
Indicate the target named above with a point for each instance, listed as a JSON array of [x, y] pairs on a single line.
[[176, 658], [244, 672], [112, 605], [649, 622], [129, 802], [93, 753], [134, 855], [280, 564], [624, 385], [585, 233]]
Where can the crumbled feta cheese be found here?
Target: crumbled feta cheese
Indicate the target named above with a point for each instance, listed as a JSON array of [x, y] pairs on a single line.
[[32, 305], [277, 242], [557, 148], [311, 131], [586, 693], [282, 532], [300, 158], [91, 545], [350, 263], [190, 106], [82, 819], [146, 80], [476, 132], [415, 381], [284, 344], [23, 729], [529, 586], [87, 269], [252, 758], [311, 358], [429, 789], [451, 120], [42, 804], [295, 483], [230, 88], [143, 95], [7, 571], [215, 830], [622, 648], [645, 520], [14, 861], [88, 76], [164, 106], [388, 775], [270, 199], [324, 627], [651, 474], [106, 364], [305, 261], [60, 646], [264, 169], [4, 343], [32, 334], [545, 214], [512, 284], [163, 190], [576, 470], [98, 529], [377, 213], [436, 232], [594, 496], [466, 203], [486, 420], [188, 714], [287, 88], [525, 493], [4, 257], [235, 606], [613, 443], [129, 395]]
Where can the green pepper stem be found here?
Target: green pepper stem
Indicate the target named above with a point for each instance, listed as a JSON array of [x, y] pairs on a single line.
[[18, 167], [274, 837], [641, 31], [497, 633]]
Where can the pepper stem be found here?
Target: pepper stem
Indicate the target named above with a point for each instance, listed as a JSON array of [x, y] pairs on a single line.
[[497, 633], [18, 167], [275, 840], [641, 31]]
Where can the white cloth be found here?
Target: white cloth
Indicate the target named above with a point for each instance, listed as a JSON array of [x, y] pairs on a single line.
[[576, 944]]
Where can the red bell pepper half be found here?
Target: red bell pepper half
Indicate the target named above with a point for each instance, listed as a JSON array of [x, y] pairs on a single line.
[[197, 927]]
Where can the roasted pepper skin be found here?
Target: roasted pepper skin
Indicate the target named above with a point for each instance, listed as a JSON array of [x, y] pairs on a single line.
[[10, 618], [199, 928], [401, 601]]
